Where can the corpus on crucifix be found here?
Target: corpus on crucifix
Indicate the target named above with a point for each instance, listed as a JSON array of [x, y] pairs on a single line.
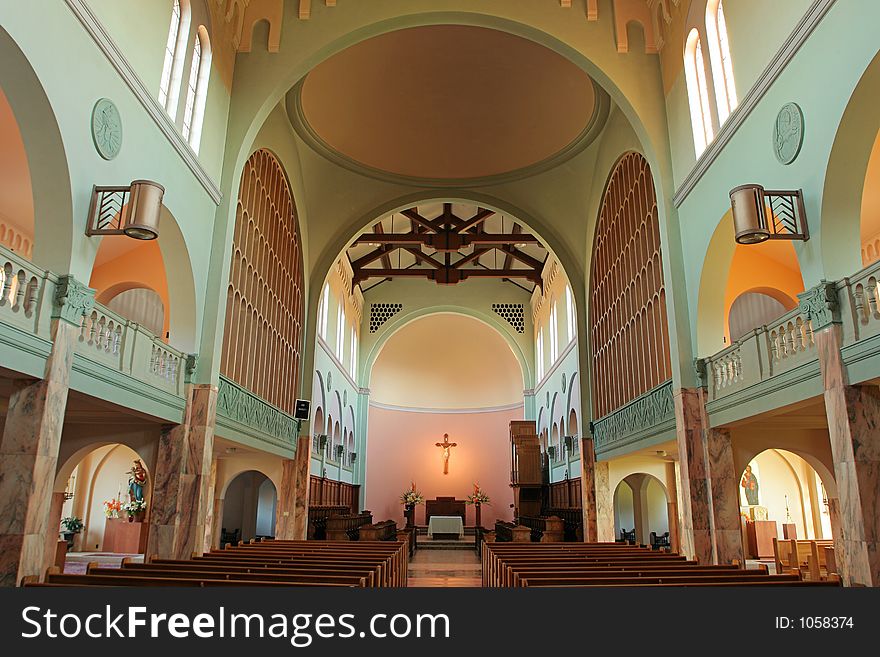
[[446, 445]]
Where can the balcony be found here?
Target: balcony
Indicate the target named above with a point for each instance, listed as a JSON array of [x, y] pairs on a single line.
[[647, 420], [249, 420], [115, 359]]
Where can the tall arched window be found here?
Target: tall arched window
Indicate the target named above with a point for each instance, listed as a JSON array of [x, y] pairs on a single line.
[[554, 334], [722, 65], [197, 89], [340, 333], [175, 46], [324, 312], [539, 356], [628, 331], [570, 313], [354, 353], [262, 339], [698, 92]]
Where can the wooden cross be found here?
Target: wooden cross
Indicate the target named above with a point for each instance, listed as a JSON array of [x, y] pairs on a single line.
[[446, 445]]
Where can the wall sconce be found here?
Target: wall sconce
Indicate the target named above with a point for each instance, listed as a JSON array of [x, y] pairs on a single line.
[[761, 214], [133, 211]]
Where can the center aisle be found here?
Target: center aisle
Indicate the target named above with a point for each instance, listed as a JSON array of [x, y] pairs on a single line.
[[443, 568]]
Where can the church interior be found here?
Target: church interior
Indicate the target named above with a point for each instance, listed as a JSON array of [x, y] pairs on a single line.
[[509, 293]]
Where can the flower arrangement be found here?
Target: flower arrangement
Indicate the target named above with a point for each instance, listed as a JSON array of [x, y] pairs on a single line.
[[135, 507], [412, 496], [72, 525], [112, 508], [478, 496]]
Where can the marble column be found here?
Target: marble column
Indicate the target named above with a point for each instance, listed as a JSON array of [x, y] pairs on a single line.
[[588, 489], [285, 513], [726, 523], [181, 501], [696, 511], [213, 520], [672, 505], [853, 413], [31, 437], [55, 510], [302, 461], [604, 502]]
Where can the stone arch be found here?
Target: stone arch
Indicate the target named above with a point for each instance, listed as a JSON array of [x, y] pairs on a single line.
[[648, 497], [46, 157], [845, 173]]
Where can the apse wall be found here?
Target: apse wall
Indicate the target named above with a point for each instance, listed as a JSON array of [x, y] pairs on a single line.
[[442, 374]]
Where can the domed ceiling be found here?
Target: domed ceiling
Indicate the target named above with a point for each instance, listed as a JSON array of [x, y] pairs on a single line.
[[447, 102]]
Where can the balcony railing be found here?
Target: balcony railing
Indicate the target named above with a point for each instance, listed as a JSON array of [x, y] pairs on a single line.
[[859, 297], [27, 295]]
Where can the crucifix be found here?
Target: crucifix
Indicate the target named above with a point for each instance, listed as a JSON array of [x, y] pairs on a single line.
[[446, 445]]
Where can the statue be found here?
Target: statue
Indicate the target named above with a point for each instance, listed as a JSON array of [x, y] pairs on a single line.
[[749, 483], [137, 480]]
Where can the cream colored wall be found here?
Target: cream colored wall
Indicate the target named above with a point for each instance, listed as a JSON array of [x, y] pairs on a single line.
[[446, 361]]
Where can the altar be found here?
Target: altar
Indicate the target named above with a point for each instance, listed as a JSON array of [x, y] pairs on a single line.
[[446, 525]]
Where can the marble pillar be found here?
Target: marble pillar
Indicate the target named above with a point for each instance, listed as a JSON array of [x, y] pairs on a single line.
[[672, 505], [285, 512], [181, 501], [588, 489], [604, 502], [52, 536], [30, 441], [854, 428], [696, 511], [302, 461], [212, 521], [726, 523]]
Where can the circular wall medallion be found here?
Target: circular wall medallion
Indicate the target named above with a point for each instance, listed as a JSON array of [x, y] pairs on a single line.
[[106, 129], [563, 382], [345, 397], [329, 381], [788, 133]]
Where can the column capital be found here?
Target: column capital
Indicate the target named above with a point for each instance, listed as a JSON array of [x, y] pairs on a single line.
[[73, 300], [820, 305]]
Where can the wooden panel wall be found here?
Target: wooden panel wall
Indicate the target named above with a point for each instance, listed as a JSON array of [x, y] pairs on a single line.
[[327, 492], [566, 494], [628, 331]]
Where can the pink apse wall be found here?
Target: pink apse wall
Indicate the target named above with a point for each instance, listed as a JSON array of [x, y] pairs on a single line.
[[401, 448]]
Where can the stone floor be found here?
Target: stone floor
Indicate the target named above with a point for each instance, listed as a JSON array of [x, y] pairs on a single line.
[[444, 568]]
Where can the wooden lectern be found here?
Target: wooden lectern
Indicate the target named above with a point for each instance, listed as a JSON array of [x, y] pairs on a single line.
[[525, 468]]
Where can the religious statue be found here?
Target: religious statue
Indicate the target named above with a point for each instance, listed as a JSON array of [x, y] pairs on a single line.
[[446, 445], [749, 483], [137, 480]]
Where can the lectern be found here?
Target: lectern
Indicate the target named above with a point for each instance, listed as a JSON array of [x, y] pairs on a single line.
[[525, 468]]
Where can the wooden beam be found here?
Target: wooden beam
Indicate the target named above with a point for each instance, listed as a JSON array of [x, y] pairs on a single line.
[[413, 215], [507, 259], [382, 251], [524, 258], [466, 240], [428, 260], [478, 218], [468, 258], [386, 260]]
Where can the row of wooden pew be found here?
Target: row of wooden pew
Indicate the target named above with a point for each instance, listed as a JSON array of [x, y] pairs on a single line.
[[264, 563], [812, 559], [612, 564]]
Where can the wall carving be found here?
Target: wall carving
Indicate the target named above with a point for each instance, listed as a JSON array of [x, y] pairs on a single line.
[[242, 406], [262, 340], [628, 331], [637, 419]]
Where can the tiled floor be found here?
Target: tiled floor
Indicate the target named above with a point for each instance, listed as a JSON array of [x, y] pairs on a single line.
[[444, 568]]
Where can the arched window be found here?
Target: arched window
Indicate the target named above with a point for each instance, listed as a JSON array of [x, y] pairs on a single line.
[[539, 356], [354, 352], [722, 66], [197, 89], [570, 313], [340, 333], [175, 46], [324, 311], [698, 92], [554, 334], [629, 336]]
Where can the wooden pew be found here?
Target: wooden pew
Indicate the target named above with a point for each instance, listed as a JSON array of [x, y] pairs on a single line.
[[544, 529], [346, 527]]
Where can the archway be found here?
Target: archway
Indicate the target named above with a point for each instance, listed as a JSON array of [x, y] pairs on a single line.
[[249, 506], [95, 483], [782, 487], [641, 509], [730, 272]]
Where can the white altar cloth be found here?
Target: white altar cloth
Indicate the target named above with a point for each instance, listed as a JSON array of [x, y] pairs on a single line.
[[445, 525]]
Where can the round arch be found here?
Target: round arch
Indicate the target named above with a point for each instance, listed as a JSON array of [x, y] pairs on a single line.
[[46, 157], [640, 505]]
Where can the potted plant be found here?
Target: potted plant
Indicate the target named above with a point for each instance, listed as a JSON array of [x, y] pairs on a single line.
[[70, 527], [409, 499], [112, 508], [136, 509]]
